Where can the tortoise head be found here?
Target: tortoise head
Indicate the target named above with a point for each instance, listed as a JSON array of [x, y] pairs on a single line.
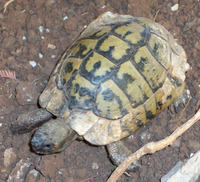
[[52, 137]]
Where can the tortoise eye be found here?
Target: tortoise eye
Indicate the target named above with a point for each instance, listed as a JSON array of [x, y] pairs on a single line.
[[47, 146]]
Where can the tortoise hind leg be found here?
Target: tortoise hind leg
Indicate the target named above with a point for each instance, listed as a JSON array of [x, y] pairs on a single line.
[[183, 99], [118, 152], [29, 121]]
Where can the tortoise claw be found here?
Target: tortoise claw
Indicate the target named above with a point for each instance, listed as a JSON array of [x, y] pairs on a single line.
[[184, 99]]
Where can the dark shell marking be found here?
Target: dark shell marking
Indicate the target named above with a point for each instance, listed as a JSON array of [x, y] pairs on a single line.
[[114, 70], [115, 78]]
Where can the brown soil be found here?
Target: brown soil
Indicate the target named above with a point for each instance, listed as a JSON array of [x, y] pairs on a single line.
[[62, 21]]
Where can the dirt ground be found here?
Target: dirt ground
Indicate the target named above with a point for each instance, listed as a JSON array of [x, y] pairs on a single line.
[[37, 32]]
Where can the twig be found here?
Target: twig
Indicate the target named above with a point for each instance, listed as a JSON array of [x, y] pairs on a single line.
[[156, 15], [8, 74], [6, 5], [152, 147]]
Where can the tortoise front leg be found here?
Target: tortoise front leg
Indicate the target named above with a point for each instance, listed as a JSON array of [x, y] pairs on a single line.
[[118, 152], [29, 121]]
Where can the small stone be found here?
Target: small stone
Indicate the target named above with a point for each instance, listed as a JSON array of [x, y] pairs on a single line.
[[188, 171], [95, 165], [41, 29], [33, 63], [40, 55], [47, 30], [9, 157], [51, 46], [175, 7], [65, 18], [19, 172]]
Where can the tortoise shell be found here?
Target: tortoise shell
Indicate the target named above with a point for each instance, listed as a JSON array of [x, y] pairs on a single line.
[[118, 74]]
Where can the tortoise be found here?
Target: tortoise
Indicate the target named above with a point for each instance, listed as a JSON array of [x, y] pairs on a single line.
[[119, 73]]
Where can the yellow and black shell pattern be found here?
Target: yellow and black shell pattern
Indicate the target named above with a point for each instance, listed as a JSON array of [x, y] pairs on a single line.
[[114, 79]]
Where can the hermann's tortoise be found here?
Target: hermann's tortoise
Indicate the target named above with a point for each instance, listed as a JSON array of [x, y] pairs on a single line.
[[118, 74]]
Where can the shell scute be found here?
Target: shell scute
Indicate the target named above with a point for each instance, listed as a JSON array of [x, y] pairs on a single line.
[[151, 70], [68, 68], [160, 49], [132, 33], [115, 49], [111, 102], [96, 68], [132, 83], [81, 93], [82, 47]]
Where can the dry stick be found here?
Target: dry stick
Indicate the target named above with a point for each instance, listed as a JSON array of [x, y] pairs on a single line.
[[6, 5], [156, 15], [152, 147]]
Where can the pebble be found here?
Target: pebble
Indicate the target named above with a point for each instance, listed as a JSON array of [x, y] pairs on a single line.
[[51, 46], [175, 7], [65, 18], [9, 157], [40, 55], [184, 171], [41, 29], [18, 172], [47, 30], [59, 172], [95, 165], [33, 63]]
